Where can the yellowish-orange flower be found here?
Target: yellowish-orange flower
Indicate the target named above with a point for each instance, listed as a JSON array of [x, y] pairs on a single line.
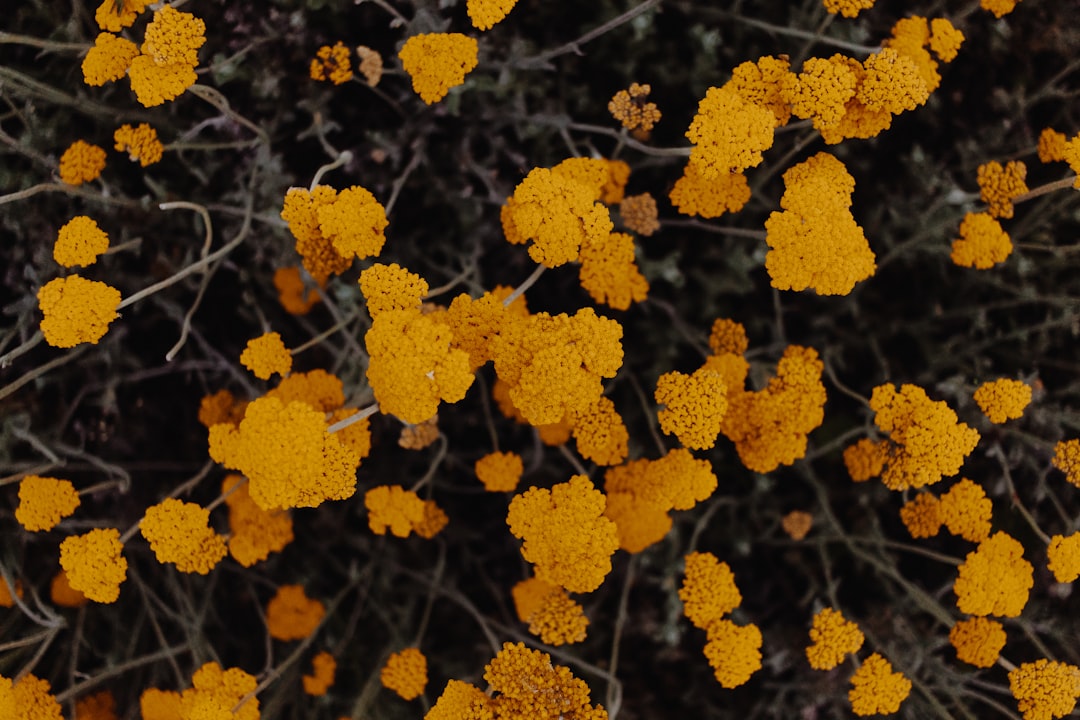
[[911, 36], [1003, 399], [709, 197], [61, 592], [1071, 155], [266, 355], [922, 515], [81, 162], [180, 533], [157, 704], [876, 689], [759, 82], [94, 565], [99, 706], [292, 615], [354, 222], [115, 16], [982, 242], [291, 291], [405, 672], [140, 143], [437, 62], [1067, 459], [695, 406], [317, 252], [461, 701], [833, 637], [391, 287], [639, 521], [500, 471], [76, 310], [632, 108], [165, 67], [821, 90], [323, 668], [610, 274], [531, 686], [393, 508], [708, 590], [729, 134], [1045, 689], [215, 692], [332, 64], [109, 58], [606, 179], [994, 578], [421, 435], [639, 213], [318, 389], [892, 83], [945, 39], [1052, 145], [254, 533], [676, 481], [866, 459], [1063, 557], [733, 652], [486, 13], [556, 618], [999, 184], [966, 511], [1000, 8], [44, 502], [797, 524], [80, 242], [32, 699], [848, 8], [978, 641]]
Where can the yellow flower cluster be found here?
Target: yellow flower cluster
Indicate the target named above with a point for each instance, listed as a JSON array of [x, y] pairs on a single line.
[[994, 578], [1071, 155], [926, 441], [999, 8], [221, 407], [922, 515], [140, 143], [565, 534], [461, 701], [945, 39], [266, 355], [371, 64], [733, 651], [998, 185], [391, 287], [332, 228], [94, 565], [155, 704], [81, 162], [606, 179], [165, 67], [61, 592], [609, 273], [214, 693], [115, 16], [676, 481], [978, 641], [876, 688], [695, 194], [421, 435], [833, 637], [639, 213], [966, 511], [109, 58], [639, 520], [892, 83], [292, 615], [797, 524], [76, 310], [293, 296], [500, 471], [530, 686], [728, 336], [912, 36], [866, 459], [432, 522], [982, 242], [759, 82], [695, 406], [1063, 557], [815, 242], [437, 62], [708, 590], [632, 108], [1052, 144], [551, 613], [321, 679], [1003, 399], [393, 508], [485, 13], [848, 8], [30, 698], [405, 673], [317, 252], [287, 453], [332, 64], [1045, 689], [254, 533], [729, 133], [99, 706], [44, 502], [1067, 459], [180, 533]]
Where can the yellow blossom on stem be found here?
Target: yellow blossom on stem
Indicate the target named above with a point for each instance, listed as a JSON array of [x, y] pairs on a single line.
[[405, 673], [323, 668], [61, 592], [1003, 399], [391, 287], [994, 578], [1071, 155], [461, 701], [978, 641], [1063, 557], [999, 8], [639, 213], [892, 83], [966, 511], [179, 533], [733, 652], [44, 502], [1052, 145], [797, 524], [999, 184], [676, 481], [821, 90], [528, 596], [437, 62], [922, 515], [254, 533], [866, 459], [945, 39], [266, 355], [557, 619], [157, 704], [291, 291], [94, 565], [600, 433], [114, 16], [354, 222], [500, 471], [760, 83], [215, 692], [33, 699], [332, 64], [728, 336], [155, 84], [606, 179], [848, 8], [709, 197], [432, 522], [695, 406], [221, 407], [486, 13], [317, 252], [318, 389], [140, 142], [833, 637], [610, 274], [982, 242], [421, 435], [708, 590], [910, 37], [530, 685], [632, 109], [292, 615], [639, 521], [109, 58], [476, 321], [565, 535], [165, 67], [729, 134], [81, 162], [876, 689], [76, 310], [1045, 689], [391, 507], [1067, 459]]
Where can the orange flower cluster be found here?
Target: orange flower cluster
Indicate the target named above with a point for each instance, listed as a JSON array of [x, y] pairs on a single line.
[[76, 310], [964, 510], [1067, 459], [729, 133], [733, 651], [833, 637], [1063, 557], [266, 355], [926, 442], [610, 274], [994, 578], [1003, 399], [815, 242], [760, 83], [998, 185], [922, 515], [93, 564], [848, 8], [321, 679], [866, 459], [81, 162], [393, 508], [632, 109], [405, 673], [44, 502], [606, 179], [876, 689], [61, 592], [109, 58], [1071, 155], [500, 471], [639, 213], [30, 698], [213, 694], [99, 706], [485, 13], [1052, 144], [999, 8], [565, 535], [437, 62], [552, 615], [332, 228], [291, 291], [332, 64], [914, 37], [945, 39], [140, 142], [982, 242], [432, 522], [797, 524], [287, 453], [1045, 689], [371, 64], [421, 435], [530, 686], [695, 194], [179, 532], [115, 16], [639, 521], [165, 66], [292, 615], [221, 407], [978, 641], [391, 287], [254, 533]]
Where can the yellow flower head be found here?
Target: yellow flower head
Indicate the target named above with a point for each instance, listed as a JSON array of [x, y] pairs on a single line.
[[354, 222], [999, 184], [94, 565], [708, 590], [1045, 689], [476, 321], [557, 619], [982, 242], [866, 459], [1000, 8], [995, 578], [600, 433], [978, 641], [760, 83], [421, 435], [797, 524], [1064, 557], [180, 533], [221, 407], [155, 84], [876, 689], [485, 13], [1003, 399], [1067, 459], [639, 521], [166, 66], [945, 39], [157, 704], [695, 406], [606, 179], [140, 142], [911, 37], [437, 62], [1052, 145], [966, 511], [371, 64], [609, 273], [926, 442], [729, 134], [76, 310], [405, 673], [323, 668], [1071, 155], [892, 83], [109, 59], [393, 508], [32, 699], [215, 692], [99, 706], [676, 481], [632, 109], [332, 64], [432, 522], [733, 652], [833, 637], [848, 8], [922, 515], [319, 256], [461, 701], [292, 615], [500, 471], [565, 535], [61, 592], [266, 355], [391, 287], [821, 90], [638, 213], [709, 197], [44, 501], [81, 162], [728, 336], [115, 16], [293, 296], [531, 686], [254, 533], [6, 598]]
